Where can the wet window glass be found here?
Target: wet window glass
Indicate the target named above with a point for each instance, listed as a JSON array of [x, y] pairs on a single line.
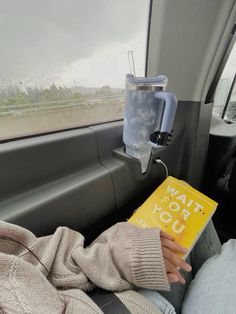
[[224, 87], [63, 63]]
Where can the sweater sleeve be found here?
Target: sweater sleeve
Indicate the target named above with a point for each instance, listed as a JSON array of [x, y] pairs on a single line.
[[122, 256]]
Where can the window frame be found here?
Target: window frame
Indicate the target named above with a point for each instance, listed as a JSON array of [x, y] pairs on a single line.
[[211, 92], [228, 99]]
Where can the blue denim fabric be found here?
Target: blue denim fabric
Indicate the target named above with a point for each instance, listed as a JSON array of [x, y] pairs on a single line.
[[156, 298], [213, 290], [170, 302]]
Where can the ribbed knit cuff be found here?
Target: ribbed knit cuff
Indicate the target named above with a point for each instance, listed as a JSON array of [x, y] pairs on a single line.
[[148, 268]]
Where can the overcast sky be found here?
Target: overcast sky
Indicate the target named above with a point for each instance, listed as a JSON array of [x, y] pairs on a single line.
[[230, 68], [71, 42]]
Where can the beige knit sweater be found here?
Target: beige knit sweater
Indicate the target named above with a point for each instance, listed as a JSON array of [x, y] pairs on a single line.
[[122, 257]]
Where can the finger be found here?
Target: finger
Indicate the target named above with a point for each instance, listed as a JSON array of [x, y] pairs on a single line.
[[166, 235], [175, 259], [180, 279], [170, 269], [173, 246], [172, 277]]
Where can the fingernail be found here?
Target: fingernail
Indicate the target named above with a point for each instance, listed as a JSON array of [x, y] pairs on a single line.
[[189, 268], [174, 280], [183, 281]]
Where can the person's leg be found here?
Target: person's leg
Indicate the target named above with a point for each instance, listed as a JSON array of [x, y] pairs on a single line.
[[176, 295], [213, 288], [207, 245], [157, 299]]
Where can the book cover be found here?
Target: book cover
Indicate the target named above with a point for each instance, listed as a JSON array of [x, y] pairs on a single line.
[[178, 209]]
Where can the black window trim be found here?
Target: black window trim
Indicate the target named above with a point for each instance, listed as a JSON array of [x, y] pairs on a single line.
[[212, 89], [229, 97]]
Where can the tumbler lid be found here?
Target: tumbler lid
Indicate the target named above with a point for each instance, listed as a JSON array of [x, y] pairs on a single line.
[[146, 83]]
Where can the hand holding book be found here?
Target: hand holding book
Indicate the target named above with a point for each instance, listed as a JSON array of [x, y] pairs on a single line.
[[182, 213], [171, 259]]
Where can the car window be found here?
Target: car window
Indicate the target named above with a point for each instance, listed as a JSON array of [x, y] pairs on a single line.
[[230, 113], [63, 63], [224, 98]]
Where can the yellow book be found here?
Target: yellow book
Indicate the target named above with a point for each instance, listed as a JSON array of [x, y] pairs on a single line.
[[178, 209]]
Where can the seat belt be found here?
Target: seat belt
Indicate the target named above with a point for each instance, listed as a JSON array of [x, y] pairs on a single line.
[[108, 302]]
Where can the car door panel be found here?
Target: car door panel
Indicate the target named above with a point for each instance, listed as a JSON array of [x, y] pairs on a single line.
[[78, 177], [54, 180]]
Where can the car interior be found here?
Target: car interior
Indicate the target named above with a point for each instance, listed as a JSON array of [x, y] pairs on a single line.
[[81, 177]]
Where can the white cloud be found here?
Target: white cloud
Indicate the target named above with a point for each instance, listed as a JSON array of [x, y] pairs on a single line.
[[66, 40], [106, 67]]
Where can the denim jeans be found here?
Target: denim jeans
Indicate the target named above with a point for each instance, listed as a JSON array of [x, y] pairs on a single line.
[[170, 302], [213, 289]]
